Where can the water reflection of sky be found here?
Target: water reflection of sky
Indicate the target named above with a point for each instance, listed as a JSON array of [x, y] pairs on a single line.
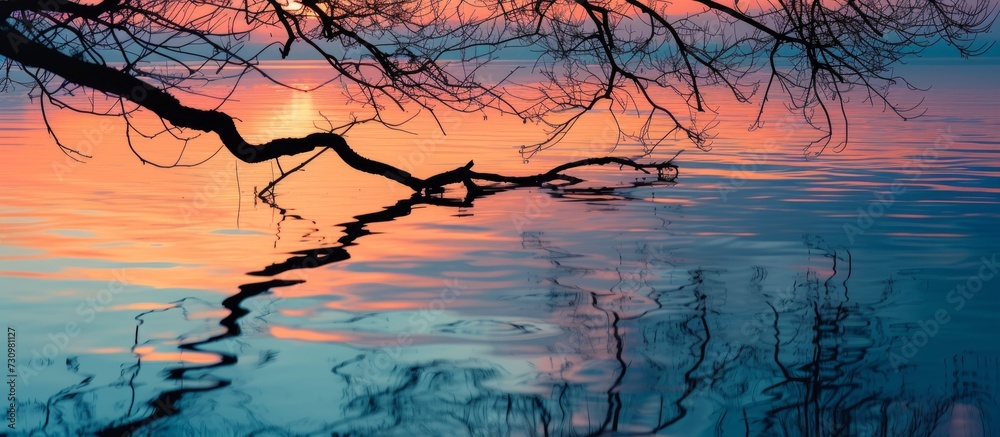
[[739, 297]]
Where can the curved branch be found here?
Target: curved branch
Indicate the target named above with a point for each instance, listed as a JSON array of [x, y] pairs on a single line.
[[108, 80]]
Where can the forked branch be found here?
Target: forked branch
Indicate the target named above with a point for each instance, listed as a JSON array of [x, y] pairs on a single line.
[[111, 81]]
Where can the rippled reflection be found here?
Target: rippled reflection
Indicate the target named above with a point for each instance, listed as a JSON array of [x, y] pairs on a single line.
[[731, 303], [641, 356]]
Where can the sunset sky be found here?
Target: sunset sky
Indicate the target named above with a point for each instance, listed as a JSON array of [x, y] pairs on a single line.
[[936, 54]]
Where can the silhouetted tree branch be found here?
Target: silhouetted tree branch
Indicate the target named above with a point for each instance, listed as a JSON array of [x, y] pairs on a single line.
[[629, 57]]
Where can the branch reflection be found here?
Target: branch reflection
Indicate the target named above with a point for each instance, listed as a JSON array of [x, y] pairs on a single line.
[[651, 353]]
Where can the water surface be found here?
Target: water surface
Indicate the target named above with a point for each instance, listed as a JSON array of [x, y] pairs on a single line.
[[762, 293]]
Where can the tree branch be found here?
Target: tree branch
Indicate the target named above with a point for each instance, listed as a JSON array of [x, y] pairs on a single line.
[[111, 81]]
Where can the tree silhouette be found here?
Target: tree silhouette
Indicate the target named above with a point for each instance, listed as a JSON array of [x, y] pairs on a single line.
[[625, 56]]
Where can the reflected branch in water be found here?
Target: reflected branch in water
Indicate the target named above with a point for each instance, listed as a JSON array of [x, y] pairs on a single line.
[[166, 404], [663, 349], [312, 258], [317, 257]]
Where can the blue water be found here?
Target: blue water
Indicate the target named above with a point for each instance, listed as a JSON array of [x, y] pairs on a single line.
[[760, 293]]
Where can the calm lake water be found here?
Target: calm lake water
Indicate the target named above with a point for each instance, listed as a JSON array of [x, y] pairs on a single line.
[[761, 294]]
